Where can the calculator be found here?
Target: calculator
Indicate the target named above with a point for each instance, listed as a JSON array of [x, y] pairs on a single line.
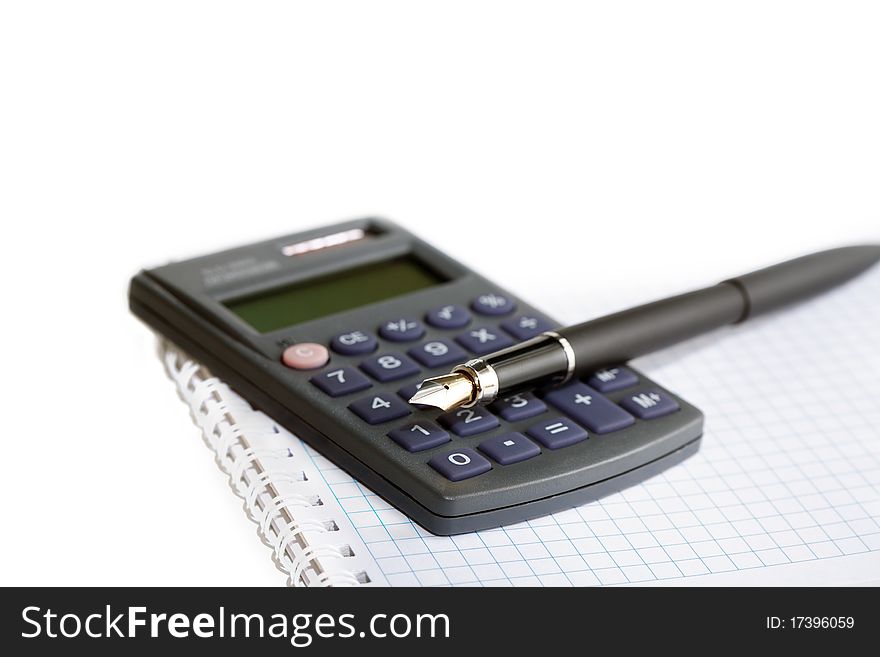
[[330, 331]]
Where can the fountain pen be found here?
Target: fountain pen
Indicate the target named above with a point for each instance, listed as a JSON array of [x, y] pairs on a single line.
[[554, 357]]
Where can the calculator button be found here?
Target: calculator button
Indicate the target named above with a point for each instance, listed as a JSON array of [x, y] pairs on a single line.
[[462, 464], [376, 409], [526, 326], [509, 448], [354, 343], [305, 356], [341, 381], [389, 367], [419, 436], [437, 353], [404, 329], [613, 378], [448, 317], [518, 407], [493, 303], [483, 340], [589, 408], [649, 404], [557, 432], [468, 421]]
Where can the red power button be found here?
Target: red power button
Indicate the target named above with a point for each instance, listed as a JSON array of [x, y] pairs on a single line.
[[305, 356]]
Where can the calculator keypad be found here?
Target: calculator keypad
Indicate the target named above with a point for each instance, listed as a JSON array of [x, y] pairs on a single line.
[[513, 429]]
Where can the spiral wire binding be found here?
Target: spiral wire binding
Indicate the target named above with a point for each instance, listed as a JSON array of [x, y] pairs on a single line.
[[303, 544]]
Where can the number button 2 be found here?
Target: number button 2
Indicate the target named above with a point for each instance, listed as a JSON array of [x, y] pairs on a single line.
[[341, 381], [469, 421]]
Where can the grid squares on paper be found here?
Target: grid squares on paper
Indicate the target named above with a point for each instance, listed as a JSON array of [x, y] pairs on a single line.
[[788, 472]]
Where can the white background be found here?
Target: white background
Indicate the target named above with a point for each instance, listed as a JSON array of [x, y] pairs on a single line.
[[559, 148]]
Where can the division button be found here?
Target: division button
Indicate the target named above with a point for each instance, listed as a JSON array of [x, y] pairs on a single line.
[[305, 356], [353, 343], [526, 326], [460, 464]]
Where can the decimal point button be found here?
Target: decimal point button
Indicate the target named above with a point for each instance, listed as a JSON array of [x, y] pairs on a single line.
[[305, 356]]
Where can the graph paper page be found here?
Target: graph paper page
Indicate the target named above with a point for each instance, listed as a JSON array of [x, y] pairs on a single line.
[[785, 488]]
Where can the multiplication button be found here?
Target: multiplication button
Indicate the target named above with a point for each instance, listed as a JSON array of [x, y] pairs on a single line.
[[461, 464], [483, 340]]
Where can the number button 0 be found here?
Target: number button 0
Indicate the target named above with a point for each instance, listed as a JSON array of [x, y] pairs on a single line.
[[460, 464], [469, 421], [375, 409], [389, 367], [438, 353], [419, 436], [341, 381]]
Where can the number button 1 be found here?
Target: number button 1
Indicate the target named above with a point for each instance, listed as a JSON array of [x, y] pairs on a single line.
[[469, 421], [461, 464], [341, 381], [376, 409], [419, 436], [389, 367]]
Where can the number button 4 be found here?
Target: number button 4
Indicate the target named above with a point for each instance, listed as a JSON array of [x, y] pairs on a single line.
[[341, 381], [376, 409]]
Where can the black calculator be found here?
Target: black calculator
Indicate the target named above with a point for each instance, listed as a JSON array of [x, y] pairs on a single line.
[[330, 331]]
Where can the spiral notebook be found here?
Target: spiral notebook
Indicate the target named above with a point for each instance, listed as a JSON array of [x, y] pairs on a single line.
[[785, 488]]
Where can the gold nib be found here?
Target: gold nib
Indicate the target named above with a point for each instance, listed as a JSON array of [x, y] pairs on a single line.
[[445, 392]]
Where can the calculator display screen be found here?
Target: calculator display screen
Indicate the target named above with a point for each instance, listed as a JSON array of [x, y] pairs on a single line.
[[317, 297]]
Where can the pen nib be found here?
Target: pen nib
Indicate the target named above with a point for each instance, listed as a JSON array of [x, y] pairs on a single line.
[[445, 392]]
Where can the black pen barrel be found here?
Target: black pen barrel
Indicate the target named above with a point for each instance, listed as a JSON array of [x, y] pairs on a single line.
[[617, 338]]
